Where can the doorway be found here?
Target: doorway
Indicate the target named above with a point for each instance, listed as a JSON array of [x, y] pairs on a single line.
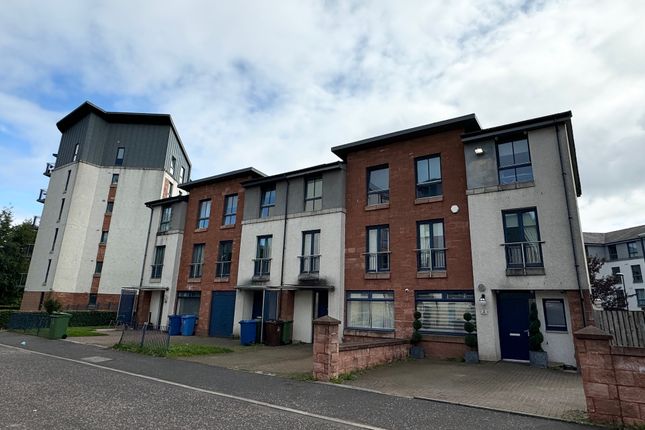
[[513, 321]]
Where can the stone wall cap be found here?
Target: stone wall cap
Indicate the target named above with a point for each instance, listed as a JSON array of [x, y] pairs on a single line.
[[592, 332], [327, 320]]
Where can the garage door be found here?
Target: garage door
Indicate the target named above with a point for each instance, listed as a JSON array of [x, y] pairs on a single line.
[[222, 310]]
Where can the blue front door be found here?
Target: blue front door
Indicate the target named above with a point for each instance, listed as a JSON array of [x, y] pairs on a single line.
[[126, 306], [222, 311], [513, 320]]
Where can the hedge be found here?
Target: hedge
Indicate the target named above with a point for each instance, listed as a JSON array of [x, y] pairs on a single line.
[[79, 318]]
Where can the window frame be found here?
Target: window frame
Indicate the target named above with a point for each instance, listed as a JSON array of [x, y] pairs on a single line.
[[182, 174], [637, 278], [220, 264], [196, 269], [370, 300], [173, 166], [316, 200], [165, 222], [379, 229], [230, 217], [632, 249], [69, 174], [98, 267], [467, 294], [115, 179], [75, 154], [613, 256], [513, 166], [188, 295], [640, 302], [203, 219], [380, 193], [429, 182], [60, 211], [157, 267], [271, 190], [263, 262], [549, 327], [314, 259], [120, 156], [520, 219], [432, 248], [104, 237]]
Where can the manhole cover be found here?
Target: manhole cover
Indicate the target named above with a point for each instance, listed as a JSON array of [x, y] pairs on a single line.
[[96, 359]]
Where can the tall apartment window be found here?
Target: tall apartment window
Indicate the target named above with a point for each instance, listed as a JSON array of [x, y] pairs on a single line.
[[428, 173], [157, 265], [49, 266], [115, 179], [522, 238], [204, 213], [230, 209], [267, 201], [637, 274], [120, 153], [262, 266], [378, 249], [555, 318], [60, 212], [69, 174], [166, 218], [442, 312], [75, 156], [54, 241], [640, 297], [109, 207], [188, 302], [615, 271], [197, 261], [431, 246], [98, 268], [171, 189], [613, 252], [514, 162], [182, 173], [91, 303], [104, 236], [632, 249], [378, 185], [372, 310], [310, 259], [313, 194], [223, 266], [173, 165]]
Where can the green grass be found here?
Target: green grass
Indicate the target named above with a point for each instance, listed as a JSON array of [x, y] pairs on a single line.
[[84, 331], [349, 376], [177, 350]]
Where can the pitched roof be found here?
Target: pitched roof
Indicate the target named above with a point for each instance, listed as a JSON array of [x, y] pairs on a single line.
[[623, 235], [294, 173], [222, 177]]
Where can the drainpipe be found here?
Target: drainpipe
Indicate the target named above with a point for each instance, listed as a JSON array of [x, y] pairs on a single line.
[[573, 242], [143, 265], [284, 247]]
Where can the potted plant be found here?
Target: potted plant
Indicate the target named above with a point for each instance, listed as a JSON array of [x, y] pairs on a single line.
[[537, 356], [416, 351], [470, 356], [51, 305]]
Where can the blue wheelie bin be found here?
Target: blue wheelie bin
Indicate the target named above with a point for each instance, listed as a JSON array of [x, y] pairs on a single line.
[[247, 332], [174, 325], [188, 324]]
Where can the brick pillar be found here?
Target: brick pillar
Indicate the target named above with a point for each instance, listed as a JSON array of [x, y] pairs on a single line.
[[326, 344]]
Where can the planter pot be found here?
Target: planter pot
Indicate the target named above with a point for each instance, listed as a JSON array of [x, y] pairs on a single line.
[[471, 357], [417, 352], [539, 359]]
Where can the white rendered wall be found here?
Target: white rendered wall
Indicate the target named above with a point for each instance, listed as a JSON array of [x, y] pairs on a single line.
[[558, 344]]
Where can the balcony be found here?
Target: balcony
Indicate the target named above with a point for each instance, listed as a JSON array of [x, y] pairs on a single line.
[[157, 270], [309, 266], [376, 262], [524, 258], [42, 196], [48, 169], [223, 269], [261, 269], [195, 270], [430, 260]]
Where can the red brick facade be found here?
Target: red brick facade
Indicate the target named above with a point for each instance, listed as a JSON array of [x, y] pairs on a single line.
[[69, 301]]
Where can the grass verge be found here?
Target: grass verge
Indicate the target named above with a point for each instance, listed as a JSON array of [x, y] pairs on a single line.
[[84, 331], [177, 350]]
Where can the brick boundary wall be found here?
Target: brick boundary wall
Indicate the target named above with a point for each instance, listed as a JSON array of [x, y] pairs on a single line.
[[613, 378], [332, 359]]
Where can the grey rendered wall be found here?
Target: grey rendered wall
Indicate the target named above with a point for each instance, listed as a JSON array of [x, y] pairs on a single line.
[[481, 170], [597, 251], [174, 150], [178, 215], [75, 134]]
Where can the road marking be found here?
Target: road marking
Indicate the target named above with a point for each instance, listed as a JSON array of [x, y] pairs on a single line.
[[202, 390]]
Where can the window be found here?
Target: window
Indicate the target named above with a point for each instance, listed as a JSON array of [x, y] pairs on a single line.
[[157, 266], [615, 271], [637, 275], [204, 213], [267, 201], [377, 258], [378, 185], [120, 153], [109, 208], [431, 251], [613, 252], [428, 173], [69, 174], [115, 179], [514, 162], [443, 311], [188, 302], [92, 300], [166, 218], [230, 209], [522, 239], [223, 266], [173, 165], [56, 236], [372, 310], [632, 249], [75, 156], [171, 189], [197, 261], [555, 318], [60, 212], [263, 257], [49, 266], [313, 194], [182, 173], [98, 268], [310, 259], [104, 236], [640, 297]]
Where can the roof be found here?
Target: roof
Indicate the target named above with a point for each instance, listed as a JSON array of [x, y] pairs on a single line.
[[294, 174], [623, 235], [467, 122], [221, 177], [167, 201], [120, 118]]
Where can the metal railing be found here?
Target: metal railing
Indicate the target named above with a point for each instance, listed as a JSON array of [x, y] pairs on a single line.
[[377, 261], [42, 196], [378, 197], [154, 339], [309, 264], [28, 322], [520, 255], [195, 270], [48, 169], [157, 270], [222, 269], [431, 259], [261, 267]]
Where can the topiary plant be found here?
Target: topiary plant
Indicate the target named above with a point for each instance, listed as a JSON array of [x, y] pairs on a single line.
[[471, 338], [416, 325], [51, 305], [535, 336]]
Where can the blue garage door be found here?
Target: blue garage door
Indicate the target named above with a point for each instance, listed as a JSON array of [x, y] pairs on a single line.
[[222, 310], [126, 305]]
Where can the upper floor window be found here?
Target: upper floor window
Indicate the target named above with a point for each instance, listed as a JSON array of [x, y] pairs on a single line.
[[522, 238], [115, 179], [197, 262], [615, 271], [104, 236], [223, 265], [166, 218], [262, 266], [640, 297], [120, 153], [431, 251], [204, 213], [313, 194], [157, 265], [182, 173], [173, 165], [230, 209], [514, 162], [632, 249], [69, 174], [613, 252], [267, 201], [428, 173], [75, 156], [310, 258], [637, 275], [109, 208], [378, 249], [98, 268], [378, 185], [62, 206]]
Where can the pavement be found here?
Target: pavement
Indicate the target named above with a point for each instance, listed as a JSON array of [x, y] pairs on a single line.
[[58, 384]]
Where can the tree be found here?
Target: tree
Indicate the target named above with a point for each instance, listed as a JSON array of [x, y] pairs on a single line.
[[15, 243], [605, 288]]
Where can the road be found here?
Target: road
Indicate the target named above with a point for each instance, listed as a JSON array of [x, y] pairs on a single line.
[[56, 384]]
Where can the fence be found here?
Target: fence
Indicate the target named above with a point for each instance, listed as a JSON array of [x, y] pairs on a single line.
[[626, 327], [28, 322], [155, 339]]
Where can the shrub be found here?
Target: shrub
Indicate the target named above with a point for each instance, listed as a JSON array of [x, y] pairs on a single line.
[[4, 318], [469, 326], [51, 305], [535, 336], [91, 318], [416, 325]]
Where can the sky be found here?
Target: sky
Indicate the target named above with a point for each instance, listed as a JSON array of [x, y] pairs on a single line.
[[276, 84]]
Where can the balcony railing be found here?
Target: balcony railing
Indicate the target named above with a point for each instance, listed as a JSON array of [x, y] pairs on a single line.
[[196, 270], [222, 269], [48, 169], [377, 261], [431, 259], [42, 196], [157, 270], [309, 264], [378, 197], [262, 267], [521, 255]]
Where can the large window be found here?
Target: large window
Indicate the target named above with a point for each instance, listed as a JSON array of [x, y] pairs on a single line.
[[431, 251], [120, 154], [632, 249], [514, 162], [204, 213], [310, 258], [157, 266], [428, 173], [262, 262], [188, 302], [378, 185], [640, 297], [522, 238], [377, 258], [267, 201], [313, 194], [230, 209], [555, 318], [442, 312], [166, 218], [637, 274], [223, 265], [371, 310], [197, 262], [613, 252]]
